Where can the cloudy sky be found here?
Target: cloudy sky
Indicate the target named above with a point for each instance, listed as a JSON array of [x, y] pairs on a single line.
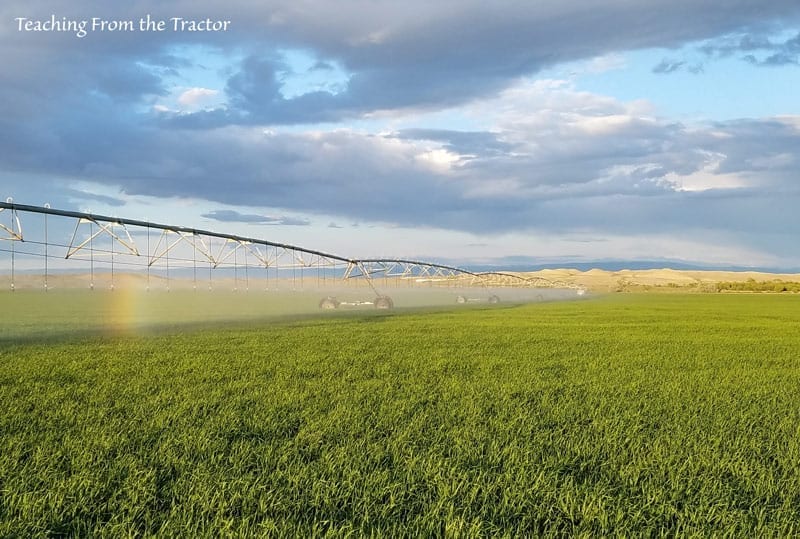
[[452, 130]]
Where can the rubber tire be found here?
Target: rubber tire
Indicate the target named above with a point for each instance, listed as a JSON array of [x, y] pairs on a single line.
[[494, 299], [384, 303], [329, 303]]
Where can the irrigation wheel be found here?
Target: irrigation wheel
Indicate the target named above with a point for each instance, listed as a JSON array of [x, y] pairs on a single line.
[[384, 302], [329, 303]]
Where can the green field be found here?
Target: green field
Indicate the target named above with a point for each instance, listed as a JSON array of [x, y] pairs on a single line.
[[628, 415]]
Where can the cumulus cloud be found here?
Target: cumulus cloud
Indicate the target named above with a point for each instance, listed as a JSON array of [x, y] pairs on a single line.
[[233, 216], [755, 49], [87, 195], [458, 142], [668, 66], [605, 63], [547, 157], [555, 159], [443, 55], [196, 96]]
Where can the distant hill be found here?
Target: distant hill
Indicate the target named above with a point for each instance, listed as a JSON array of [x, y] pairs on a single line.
[[515, 265]]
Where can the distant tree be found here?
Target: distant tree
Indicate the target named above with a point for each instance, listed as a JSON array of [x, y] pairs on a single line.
[[751, 285]]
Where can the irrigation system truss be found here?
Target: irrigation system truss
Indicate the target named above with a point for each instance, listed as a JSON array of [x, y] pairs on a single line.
[[37, 242]]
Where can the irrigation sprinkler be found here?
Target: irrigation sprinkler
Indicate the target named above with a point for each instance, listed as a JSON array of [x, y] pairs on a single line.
[[170, 256], [330, 303], [493, 299]]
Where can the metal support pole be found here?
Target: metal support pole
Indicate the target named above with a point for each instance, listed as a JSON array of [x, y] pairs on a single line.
[[112, 261], [148, 259], [194, 262], [210, 263], [12, 251], [166, 257], [246, 273], [45, 248], [235, 270], [91, 256], [277, 270]]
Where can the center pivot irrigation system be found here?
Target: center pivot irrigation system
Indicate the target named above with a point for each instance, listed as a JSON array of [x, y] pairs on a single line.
[[114, 249]]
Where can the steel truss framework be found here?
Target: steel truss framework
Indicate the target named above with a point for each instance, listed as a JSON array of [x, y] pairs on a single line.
[[128, 244]]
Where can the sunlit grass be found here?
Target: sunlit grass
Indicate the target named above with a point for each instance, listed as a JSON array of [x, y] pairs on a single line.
[[635, 415]]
